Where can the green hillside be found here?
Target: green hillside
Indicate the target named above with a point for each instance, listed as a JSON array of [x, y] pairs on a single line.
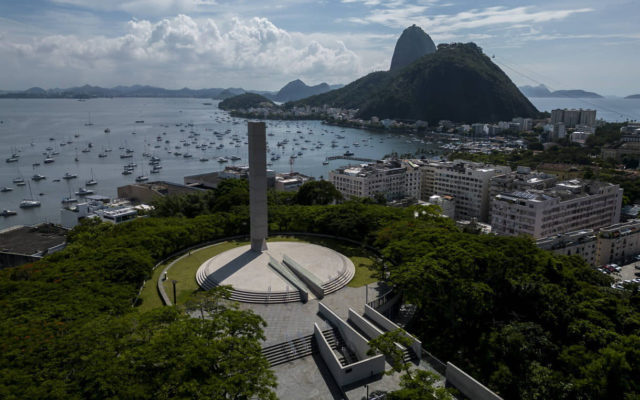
[[245, 101], [349, 96], [457, 82]]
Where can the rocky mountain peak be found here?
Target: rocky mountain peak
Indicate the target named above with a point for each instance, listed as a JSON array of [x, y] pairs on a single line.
[[412, 44]]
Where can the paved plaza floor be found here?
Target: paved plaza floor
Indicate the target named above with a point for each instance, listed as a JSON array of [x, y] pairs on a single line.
[[249, 271], [287, 321]]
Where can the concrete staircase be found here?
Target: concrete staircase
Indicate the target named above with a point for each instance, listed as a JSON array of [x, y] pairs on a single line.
[[339, 282], [345, 355], [409, 355], [246, 296], [304, 346]]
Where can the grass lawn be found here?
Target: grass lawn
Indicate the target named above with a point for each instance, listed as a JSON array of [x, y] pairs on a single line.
[[149, 298], [184, 270], [365, 273]]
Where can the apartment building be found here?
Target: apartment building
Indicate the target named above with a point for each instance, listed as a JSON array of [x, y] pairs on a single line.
[[522, 179], [583, 242], [467, 182], [618, 243], [290, 182], [395, 179], [568, 206], [573, 117]]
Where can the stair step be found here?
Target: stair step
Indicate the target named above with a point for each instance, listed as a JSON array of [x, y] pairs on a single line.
[[294, 349]]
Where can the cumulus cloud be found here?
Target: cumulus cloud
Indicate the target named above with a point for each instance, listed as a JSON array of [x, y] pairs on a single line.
[[194, 52]]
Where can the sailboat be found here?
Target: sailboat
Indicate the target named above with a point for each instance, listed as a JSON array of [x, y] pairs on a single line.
[[91, 181], [142, 178], [69, 199], [89, 123], [30, 202]]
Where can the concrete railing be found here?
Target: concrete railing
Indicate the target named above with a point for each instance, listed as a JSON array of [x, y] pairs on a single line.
[[352, 338], [467, 385], [365, 326], [312, 282], [385, 323], [290, 277], [348, 374]]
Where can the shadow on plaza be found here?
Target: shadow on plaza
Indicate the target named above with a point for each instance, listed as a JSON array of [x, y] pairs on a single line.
[[234, 265]]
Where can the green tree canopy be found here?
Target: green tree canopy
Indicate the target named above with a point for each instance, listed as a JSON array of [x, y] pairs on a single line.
[[317, 193]]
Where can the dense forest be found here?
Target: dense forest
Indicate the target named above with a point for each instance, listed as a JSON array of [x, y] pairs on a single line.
[[525, 322]]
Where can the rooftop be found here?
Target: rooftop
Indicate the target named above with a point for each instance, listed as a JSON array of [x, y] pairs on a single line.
[[31, 240]]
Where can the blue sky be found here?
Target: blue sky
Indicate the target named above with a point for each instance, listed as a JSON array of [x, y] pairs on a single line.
[[592, 45]]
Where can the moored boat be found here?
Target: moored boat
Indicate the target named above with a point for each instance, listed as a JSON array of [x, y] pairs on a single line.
[[84, 192]]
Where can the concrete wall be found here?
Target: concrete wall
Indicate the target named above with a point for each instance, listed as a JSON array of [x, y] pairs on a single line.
[[364, 325], [381, 320], [13, 259], [349, 373], [312, 282], [353, 339], [467, 385], [290, 277], [389, 304]]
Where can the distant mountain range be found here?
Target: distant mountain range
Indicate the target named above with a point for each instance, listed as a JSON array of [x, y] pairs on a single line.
[[88, 91], [543, 91], [292, 91], [458, 82], [296, 90], [633, 96]]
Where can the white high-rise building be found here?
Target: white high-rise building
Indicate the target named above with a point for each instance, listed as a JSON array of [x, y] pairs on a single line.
[[568, 206], [392, 178], [467, 182]]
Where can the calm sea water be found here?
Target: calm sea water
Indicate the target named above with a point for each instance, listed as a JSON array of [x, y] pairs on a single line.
[[609, 109], [28, 125]]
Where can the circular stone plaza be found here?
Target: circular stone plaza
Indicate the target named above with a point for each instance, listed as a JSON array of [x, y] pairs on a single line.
[[282, 272], [285, 272]]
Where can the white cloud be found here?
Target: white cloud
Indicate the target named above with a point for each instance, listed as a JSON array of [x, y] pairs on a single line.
[[145, 7], [399, 17], [180, 51]]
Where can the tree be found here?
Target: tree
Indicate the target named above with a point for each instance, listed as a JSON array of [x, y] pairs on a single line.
[[389, 344], [317, 192], [421, 387]]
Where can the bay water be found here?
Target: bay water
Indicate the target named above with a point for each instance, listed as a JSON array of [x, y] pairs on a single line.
[[29, 126]]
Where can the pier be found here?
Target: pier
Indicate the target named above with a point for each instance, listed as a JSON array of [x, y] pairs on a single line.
[[351, 158]]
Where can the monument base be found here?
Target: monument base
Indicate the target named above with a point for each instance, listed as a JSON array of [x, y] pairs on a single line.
[[258, 245], [254, 281]]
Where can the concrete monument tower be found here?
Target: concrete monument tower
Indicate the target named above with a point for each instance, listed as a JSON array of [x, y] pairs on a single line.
[[258, 186]]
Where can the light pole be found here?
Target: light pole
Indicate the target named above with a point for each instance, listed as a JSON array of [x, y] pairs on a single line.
[[175, 302]]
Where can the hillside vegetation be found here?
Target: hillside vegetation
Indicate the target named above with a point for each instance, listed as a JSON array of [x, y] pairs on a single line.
[[245, 101], [457, 82]]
